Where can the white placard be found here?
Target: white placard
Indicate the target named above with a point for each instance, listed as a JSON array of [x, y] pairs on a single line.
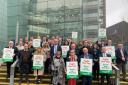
[[8, 55]]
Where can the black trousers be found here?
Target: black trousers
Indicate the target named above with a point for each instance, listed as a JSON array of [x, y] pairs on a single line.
[[103, 78], [8, 68], [122, 67], [96, 70]]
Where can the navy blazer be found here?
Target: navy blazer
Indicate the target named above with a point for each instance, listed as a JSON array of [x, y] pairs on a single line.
[[101, 55], [52, 50], [82, 56], [119, 56]]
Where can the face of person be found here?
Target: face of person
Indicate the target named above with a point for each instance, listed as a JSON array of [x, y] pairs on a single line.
[[109, 42], [103, 50], [11, 44], [31, 39], [58, 54], [26, 46], [56, 41], [120, 46], [73, 46], [39, 50], [85, 50], [85, 42], [21, 43], [72, 53]]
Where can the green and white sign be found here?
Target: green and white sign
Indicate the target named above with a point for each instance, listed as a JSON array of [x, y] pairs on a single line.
[[1, 60], [38, 62], [8, 55], [111, 50], [102, 33], [72, 70], [105, 65], [65, 49], [36, 43], [86, 67], [74, 35]]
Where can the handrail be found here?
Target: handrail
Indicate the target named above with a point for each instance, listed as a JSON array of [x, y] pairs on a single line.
[[117, 74], [12, 72]]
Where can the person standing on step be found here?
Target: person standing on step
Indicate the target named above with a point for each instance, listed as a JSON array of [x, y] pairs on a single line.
[[58, 69], [121, 59], [24, 63], [39, 72], [86, 80], [72, 57], [104, 54], [11, 46]]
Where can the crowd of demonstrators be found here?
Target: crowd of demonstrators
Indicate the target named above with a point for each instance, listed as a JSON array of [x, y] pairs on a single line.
[[55, 64]]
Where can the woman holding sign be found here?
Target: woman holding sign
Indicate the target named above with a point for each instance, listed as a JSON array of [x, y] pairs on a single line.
[[58, 69], [38, 64], [72, 58]]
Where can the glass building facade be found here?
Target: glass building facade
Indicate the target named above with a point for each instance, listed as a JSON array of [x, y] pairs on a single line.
[[56, 17], [3, 23]]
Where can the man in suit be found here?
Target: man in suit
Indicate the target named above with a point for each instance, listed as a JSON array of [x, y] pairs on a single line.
[[11, 46], [86, 80], [104, 54], [54, 48], [121, 59]]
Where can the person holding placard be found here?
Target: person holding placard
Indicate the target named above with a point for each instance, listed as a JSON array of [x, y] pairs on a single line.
[[96, 52], [24, 63], [11, 46], [73, 47], [46, 49], [39, 59], [58, 69], [86, 58], [103, 75], [72, 58]]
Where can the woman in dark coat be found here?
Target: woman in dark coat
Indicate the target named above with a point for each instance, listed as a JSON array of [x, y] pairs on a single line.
[[24, 62]]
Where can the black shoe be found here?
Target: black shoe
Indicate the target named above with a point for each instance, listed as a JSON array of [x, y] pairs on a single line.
[[124, 80], [36, 82], [39, 81]]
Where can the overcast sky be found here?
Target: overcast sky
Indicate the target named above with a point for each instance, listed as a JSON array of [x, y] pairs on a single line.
[[116, 11]]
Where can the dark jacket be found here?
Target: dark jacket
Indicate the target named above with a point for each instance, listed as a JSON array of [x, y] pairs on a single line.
[[119, 56], [22, 55], [52, 50]]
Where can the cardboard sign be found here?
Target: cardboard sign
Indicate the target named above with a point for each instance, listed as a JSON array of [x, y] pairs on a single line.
[[36, 43], [38, 62], [65, 49], [105, 65], [74, 35], [8, 55], [86, 67], [102, 33], [111, 50], [72, 70]]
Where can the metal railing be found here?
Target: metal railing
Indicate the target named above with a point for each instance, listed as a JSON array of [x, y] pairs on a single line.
[[114, 67], [117, 74], [12, 72]]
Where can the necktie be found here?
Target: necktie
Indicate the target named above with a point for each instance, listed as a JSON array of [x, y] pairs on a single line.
[[122, 54]]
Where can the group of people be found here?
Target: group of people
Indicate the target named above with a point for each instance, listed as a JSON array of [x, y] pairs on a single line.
[[55, 64]]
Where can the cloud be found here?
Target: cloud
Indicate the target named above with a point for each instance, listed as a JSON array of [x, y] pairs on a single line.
[[116, 11]]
